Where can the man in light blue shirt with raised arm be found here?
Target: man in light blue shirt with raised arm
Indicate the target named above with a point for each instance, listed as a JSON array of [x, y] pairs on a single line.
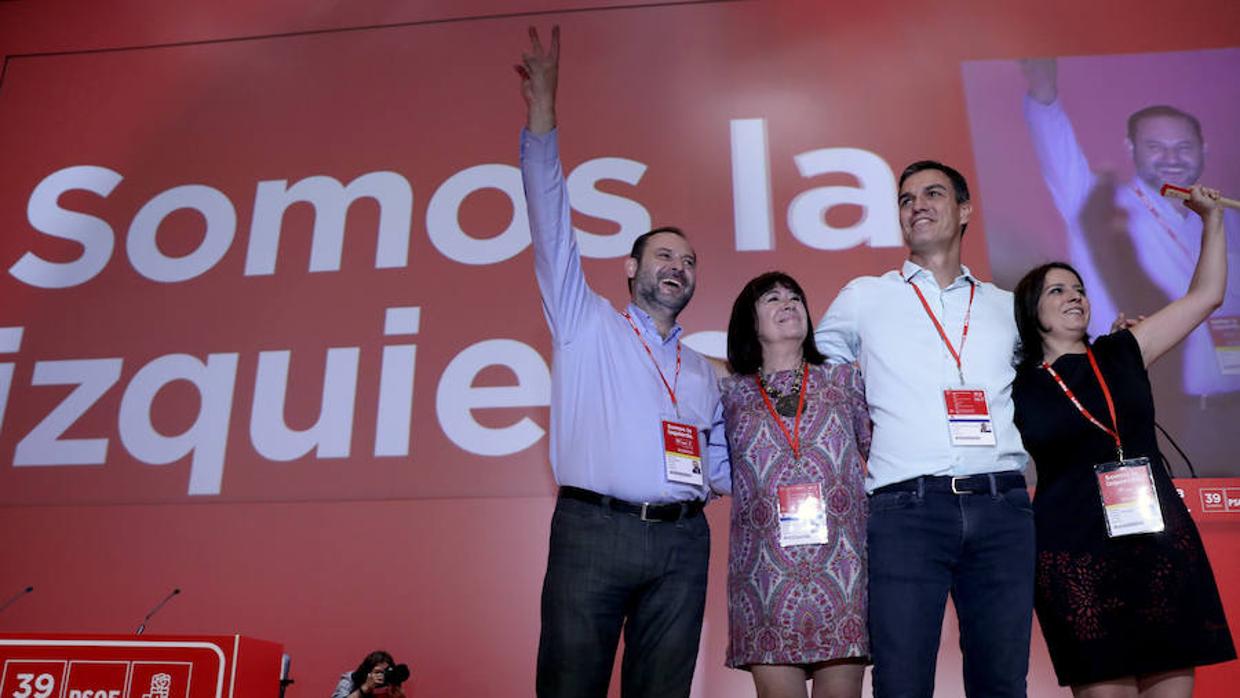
[[631, 412], [949, 512], [1149, 260]]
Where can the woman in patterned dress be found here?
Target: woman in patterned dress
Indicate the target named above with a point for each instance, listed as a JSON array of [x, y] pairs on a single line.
[[1128, 606], [798, 431]]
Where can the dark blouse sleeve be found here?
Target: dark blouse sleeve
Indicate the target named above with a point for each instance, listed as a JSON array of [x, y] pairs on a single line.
[[1121, 350]]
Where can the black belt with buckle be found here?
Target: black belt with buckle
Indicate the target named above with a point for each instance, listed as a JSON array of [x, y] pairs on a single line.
[[986, 483], [646, 511]]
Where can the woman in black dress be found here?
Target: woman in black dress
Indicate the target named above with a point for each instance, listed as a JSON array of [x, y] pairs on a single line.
[[1125, 595]]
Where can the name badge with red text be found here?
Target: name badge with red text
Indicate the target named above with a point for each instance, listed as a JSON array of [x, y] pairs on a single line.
[[968, 417], [1225, 334], [682, 453], [1129, 500], [802, 515]]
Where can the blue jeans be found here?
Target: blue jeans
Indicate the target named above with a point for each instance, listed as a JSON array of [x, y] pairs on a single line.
[[928, 542], [606, 571]]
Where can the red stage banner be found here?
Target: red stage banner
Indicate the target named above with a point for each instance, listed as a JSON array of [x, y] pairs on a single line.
[[128, 666], [1211, 499]]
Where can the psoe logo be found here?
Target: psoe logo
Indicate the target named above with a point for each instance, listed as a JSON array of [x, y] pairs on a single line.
[[161, 685], [1212, 499], [1232, 495]]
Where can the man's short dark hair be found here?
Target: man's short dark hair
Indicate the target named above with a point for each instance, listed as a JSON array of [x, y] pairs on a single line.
[[959, 184], [744, 348], [1158, 110], [639, 245]]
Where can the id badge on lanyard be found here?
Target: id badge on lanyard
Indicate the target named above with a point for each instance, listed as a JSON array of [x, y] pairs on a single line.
[[1129, 500], [1125, 485], [968, 417], [682, 447], [968, 410], [802, 515], [682, 453], [1225, 335]]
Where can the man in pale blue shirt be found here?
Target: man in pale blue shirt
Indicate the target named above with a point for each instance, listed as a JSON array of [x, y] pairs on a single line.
[[949, 512], [1149, 260], [631, 409]]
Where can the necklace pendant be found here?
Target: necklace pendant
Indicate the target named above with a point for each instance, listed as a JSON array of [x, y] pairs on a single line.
[[786, 405]]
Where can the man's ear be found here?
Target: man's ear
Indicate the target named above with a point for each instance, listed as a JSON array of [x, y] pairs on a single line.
[[966, 212], [1130, 146], [630, 267]]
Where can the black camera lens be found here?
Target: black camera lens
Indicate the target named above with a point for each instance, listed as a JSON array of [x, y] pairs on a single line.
[[396, 675]]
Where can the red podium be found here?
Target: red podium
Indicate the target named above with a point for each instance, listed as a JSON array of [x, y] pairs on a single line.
[[132, 666], [1214, 504]]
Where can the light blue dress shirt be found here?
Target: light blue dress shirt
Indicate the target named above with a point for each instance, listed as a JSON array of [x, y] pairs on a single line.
[[607, 399], [880, 323], [1165, 237]]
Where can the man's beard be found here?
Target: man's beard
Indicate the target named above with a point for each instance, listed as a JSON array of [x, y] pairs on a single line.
[[650, 293]]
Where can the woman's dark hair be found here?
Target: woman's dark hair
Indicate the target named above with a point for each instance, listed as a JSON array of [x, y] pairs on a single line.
[[1025, 305], [368, 664], [744, 349]]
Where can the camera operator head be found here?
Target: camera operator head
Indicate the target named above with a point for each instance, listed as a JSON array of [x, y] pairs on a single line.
[[379, 674]]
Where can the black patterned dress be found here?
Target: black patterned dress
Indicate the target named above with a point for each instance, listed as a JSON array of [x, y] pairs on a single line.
[[1111, 607], [805, 603]]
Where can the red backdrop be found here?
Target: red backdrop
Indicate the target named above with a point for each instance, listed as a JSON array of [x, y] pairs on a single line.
[[164, 258]]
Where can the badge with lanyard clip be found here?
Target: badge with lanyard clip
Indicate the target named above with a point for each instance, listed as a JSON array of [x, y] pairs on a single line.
[[682, 453], [802, 509], [682, 447], [802, 514], [968, 410], [1126, 485], [1129, 500]]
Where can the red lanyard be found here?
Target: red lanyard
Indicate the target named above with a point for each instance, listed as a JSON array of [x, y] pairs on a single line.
[[671, 387], [1149, 205], [793, 440], [1119, 447], [963, 335]]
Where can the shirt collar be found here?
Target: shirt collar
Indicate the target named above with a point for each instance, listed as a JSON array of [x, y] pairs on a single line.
[[646, 323], [911, 269]]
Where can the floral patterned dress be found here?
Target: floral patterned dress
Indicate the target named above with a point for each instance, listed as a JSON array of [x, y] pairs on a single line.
[[800, 604]]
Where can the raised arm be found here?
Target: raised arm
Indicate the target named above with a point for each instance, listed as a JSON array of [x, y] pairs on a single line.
[[1101, 246], [1042, 75], [1169, 326], [1060, 157], [567, 298], [540, 72]]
